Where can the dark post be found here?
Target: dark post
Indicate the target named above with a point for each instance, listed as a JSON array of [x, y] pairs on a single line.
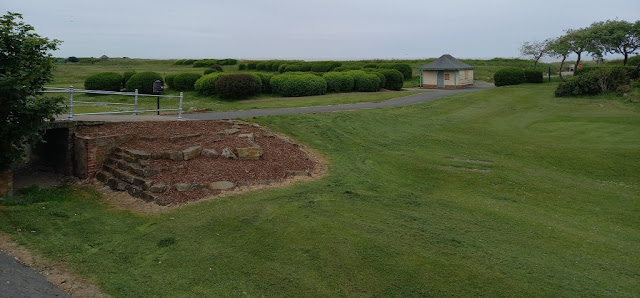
[[549, 73], [158, 87]]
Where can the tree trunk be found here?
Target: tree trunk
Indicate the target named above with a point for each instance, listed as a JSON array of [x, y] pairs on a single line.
[[626, 57], [6, 183], [575, 69], [561, 66]]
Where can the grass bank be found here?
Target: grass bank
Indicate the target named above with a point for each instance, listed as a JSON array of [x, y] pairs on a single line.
[[506, 192]]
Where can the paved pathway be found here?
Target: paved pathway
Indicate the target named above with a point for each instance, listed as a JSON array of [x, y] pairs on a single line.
[[402, 101], [17, 280]]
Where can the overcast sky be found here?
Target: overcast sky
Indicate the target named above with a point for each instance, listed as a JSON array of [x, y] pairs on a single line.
[[297, 29]]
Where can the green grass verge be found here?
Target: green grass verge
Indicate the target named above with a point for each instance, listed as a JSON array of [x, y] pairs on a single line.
[[399, 214]]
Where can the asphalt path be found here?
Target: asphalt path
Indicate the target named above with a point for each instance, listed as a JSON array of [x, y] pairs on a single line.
[[402, 101], [17, 280]]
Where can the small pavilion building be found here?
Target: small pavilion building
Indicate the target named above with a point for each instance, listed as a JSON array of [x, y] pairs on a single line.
[[446, 73]]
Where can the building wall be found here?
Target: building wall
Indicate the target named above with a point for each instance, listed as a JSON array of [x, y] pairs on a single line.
[[453, 79]]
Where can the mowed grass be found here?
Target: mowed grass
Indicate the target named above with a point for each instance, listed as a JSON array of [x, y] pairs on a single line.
[[403, 211]]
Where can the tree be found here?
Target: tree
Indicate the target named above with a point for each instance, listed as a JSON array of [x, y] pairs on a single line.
[[535, 49], [560, 47], [25, 66], [620, 37]]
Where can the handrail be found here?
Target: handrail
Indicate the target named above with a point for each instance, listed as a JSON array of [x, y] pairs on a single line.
[[135, 111]]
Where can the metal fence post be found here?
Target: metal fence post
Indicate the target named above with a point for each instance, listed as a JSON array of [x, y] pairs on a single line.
[[135, 106], [70, 118], [180, 108]]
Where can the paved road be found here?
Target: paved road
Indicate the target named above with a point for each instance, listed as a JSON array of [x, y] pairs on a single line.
[[402, 101], [17, 280]]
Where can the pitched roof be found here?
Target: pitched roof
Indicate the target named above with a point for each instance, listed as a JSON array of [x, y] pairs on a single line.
[[446, 62]]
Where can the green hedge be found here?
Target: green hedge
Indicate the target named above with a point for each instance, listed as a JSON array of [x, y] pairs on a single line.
[[251, 65], [298, 84], [237, 86], [292, 68], [206, 85], [533, 76], [261, 66], [394, 80], [126, 76], [185, 81], [338, 82], [364, 82], [594, 81], [205, 63], [242, 66], [282, 67], [380, 76], [143, 82], [405, 69], [509, 76], [266, 85], [109, 81], [168, 79], [210, 70]]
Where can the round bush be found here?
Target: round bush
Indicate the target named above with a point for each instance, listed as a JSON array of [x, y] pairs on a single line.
[[380, 76], [143, 82], [242, 66], [367, 83], [205, 63], [405, 69], [533, 76], [210, 70], [168, 79], [266, 86], [251, 65], [126, 76], [237, 86], [268, 66], [370, 65], [261, 66], [509, 76], [393, 79], [338, 82], [109, 81], [305, 67], [282, 67], [206, 85], [298, 84], [292, 68], [185, 81], [276, 65]]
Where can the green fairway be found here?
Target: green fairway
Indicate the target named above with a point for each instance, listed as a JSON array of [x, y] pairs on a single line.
[[503, 192]]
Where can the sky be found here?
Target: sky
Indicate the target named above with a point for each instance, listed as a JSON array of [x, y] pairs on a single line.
[[308, 30]]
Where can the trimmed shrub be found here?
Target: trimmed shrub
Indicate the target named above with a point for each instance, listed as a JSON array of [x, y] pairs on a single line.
[[282, 67], [298, 84], [185, 81], [338, 81], [334, 64], [242, 66], [276, 65], [321, 66], [370, 65], [261, 66], [509, 76], [205, 63], [210, 70], [73, 59], [126, 76], [533, 76], [380, 76], [237, 86], [143, 82], [268, 66], [266, 85], [206, 85], [367, 83], [305, 67], [393, 79], [403, 68], [251, 65], [228, 62], [594, 80], [168, 79], [109, 81], [292, 68]]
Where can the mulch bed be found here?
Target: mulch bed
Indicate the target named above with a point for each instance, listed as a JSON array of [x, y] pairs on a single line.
[[280, 154]]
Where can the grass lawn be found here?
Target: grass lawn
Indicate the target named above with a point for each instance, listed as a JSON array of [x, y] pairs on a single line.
[[503, 192]]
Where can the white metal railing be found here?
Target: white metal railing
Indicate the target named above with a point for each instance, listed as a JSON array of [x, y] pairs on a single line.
[[135, 110]]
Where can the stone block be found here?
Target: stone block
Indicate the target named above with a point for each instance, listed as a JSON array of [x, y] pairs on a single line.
[[176, 155], [253, 153], [139, 154], [221, 185], [228, 154], [231, 131], [124, 176], [209, 153], [103, 176], [159, 188], [143, 183], [191, 152]]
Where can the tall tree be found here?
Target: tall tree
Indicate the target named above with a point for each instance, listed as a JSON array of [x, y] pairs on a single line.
[[25, 66], [619, 37], [582, 40], [535, 49], [560, 48]]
